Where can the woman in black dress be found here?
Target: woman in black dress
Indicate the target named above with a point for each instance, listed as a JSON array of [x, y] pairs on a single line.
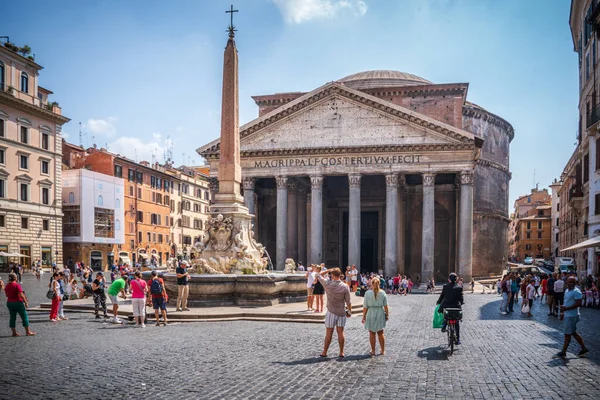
[[318, 291]]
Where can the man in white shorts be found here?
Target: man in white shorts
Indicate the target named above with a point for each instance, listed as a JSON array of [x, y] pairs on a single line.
[[338, 296]]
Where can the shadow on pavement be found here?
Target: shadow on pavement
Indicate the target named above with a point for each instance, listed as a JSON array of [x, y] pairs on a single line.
[[434, 353], [357, 357], [305, 361]]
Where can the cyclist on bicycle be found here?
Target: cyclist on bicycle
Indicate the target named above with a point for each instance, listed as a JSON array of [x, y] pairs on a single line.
[[451, 297]]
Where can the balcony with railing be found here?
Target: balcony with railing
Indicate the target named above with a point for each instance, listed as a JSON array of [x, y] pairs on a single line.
[[594, 17], [51, 106], [576, 197], [593, 117]]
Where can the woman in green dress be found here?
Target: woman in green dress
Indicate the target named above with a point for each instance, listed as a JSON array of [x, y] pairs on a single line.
[[375, 314]]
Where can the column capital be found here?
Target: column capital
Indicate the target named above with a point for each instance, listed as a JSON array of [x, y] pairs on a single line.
[[392, 180], [354, 180], [281, 181], [466, 177], [316, 181], [248, 183], [428, 179]]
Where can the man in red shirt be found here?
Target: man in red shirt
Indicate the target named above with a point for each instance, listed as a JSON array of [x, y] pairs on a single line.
[[396, 281], [159, 297]]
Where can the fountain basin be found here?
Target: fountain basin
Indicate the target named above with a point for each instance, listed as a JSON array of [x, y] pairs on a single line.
[[241, 290]]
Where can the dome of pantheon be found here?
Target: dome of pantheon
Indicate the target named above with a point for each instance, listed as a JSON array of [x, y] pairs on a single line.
[[381, 79]]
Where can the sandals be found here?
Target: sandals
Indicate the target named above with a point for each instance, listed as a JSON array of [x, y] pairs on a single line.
[[323, 355], [30, 333], [372, 353], [15, 334]]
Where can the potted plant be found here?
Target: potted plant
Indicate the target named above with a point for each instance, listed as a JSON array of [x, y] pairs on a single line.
[[25, 50]]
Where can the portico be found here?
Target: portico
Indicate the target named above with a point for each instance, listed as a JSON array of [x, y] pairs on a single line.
[[341, 177]]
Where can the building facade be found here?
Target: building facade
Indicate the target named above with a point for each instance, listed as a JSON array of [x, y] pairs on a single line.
[[381, 169], [584, 22], [532, 226], [190, 210], [147, 202], [93, 221], [30, 167], [572, 212]]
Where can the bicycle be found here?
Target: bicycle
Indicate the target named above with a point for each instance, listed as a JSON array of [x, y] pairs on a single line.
[[452, 316]]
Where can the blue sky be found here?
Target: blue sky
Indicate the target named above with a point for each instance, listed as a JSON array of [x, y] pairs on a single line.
[[140, 74]]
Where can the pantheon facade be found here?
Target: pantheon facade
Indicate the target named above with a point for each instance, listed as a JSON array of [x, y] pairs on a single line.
[[380, 169]]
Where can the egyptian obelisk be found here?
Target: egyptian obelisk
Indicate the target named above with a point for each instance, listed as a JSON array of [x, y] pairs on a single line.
[[228, 245], [229, 198]]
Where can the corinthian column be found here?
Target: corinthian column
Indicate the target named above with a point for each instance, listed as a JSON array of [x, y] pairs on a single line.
[[316, 219], [292, 216], [391, 224], [354, 221], [302, 225], [465, 227], [402, 195], [282, 203], [427, 244]]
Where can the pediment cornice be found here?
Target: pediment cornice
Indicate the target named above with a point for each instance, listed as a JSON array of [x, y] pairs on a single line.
[[420, 148], [337, 89]]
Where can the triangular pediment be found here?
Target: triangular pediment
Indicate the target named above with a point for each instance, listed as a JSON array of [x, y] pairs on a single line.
[[24, 177], [335, 116]]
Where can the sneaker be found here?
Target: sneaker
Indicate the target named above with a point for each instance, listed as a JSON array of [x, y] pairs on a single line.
[[560, 354], [97, 317], [582, 353], [165, 323], [458, 342], [186, 309], [158, 324], [136, 326], [143, 325], [177, 309], [504, 313], [106, 316], [444, 330]]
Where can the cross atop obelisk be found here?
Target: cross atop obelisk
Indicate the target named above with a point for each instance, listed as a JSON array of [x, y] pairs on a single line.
[[231, 28], [230, 171]]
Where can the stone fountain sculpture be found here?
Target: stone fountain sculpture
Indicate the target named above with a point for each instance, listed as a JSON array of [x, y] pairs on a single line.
[[228, 245]]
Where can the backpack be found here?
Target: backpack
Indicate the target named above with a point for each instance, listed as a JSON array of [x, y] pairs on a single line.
[[156, 287]]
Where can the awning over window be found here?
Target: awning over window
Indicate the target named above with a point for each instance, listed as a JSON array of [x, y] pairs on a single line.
[[144, 256], [124, 260], [593, 242]]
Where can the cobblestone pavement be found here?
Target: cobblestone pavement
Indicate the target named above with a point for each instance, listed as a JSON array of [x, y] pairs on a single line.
[[501, 357]]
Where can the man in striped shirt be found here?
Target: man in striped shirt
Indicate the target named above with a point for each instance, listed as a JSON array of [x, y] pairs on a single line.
[[338, 297]]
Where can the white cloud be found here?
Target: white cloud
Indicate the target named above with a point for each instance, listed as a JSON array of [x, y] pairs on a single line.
[[140, 150], [298, 11], [101, 126]]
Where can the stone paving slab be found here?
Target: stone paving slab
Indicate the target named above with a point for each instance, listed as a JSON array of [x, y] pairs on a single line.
[[502, 357]]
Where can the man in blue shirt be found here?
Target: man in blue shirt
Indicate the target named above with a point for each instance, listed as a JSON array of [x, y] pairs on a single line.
[[570, 315]]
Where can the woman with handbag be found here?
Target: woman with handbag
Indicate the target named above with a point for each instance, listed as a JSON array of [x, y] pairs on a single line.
[[16, 301], [375, 315], [56, 297]]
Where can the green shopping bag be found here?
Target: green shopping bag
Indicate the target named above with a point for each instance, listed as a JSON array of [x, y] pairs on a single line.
[[438, 318]]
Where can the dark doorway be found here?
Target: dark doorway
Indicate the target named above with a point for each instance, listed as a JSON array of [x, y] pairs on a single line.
[[369, 241]]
